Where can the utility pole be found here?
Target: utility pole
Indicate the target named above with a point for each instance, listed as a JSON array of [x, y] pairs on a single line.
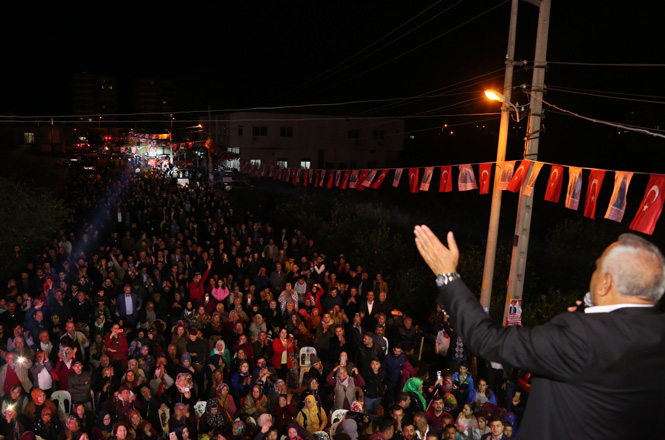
[[523, 224], [495, 211], [210, 166]]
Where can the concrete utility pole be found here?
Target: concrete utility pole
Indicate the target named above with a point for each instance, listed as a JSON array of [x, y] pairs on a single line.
[[523, 224], [495, 211]]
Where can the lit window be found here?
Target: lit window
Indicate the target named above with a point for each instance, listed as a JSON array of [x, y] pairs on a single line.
[[305, 164], [29, 138], [235, 150], [283, 163]]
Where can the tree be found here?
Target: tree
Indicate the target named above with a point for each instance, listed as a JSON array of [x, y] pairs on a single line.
[[29, 218]]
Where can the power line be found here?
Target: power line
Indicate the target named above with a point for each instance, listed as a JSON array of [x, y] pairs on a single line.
[[602, 95], [633, 128], [568, 63], [422, 44]]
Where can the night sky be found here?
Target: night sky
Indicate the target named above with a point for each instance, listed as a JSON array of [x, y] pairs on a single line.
[[245, 54]]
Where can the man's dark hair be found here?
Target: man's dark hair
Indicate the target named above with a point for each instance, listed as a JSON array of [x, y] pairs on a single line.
[[448, 426], [385, 424], [402, 397], [494, 419]]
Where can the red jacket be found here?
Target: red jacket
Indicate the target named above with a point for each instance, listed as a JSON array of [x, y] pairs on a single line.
[[278, 349], [196, 290]]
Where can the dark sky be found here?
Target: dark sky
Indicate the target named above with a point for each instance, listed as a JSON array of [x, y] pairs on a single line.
[[277, 53]]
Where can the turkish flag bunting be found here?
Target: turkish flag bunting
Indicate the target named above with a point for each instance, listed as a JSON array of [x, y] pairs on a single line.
[[554, 184], [379, 179], [485, 175], [467, 179], [338, 177], [345, 179], [535, 170], [306, 177], [398, 176], [413, 179], [331, 177], [322, 178], [617, 206], [353, 182], [519, 176], [317, 176], [574, 188], [361, 180], [651, 207], [446, 182], [427, 178], [505, 170], [369, 178], [595, 182], [296, 176]]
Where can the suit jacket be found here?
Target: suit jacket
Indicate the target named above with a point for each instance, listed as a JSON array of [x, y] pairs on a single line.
[[585, 367], [120, 303]]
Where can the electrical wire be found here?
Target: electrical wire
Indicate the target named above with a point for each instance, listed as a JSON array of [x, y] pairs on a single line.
[[569, 63], [626, 127], [602, 95], [328, 72], [421, 45]]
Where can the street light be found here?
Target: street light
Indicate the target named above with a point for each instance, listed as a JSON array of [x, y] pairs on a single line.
[[496, 96]]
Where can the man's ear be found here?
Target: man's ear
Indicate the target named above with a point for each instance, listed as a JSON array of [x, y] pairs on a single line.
[[605, 285]]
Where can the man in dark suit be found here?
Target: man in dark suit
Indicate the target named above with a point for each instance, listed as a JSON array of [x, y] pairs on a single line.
[[582, 363], [128, 306]]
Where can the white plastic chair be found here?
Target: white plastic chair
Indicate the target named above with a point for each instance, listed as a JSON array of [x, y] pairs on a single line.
[[338, 415], [305, 360], [64, 402]]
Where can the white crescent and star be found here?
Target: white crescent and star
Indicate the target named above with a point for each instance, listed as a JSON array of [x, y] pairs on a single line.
[[653, 188], [593, 196], [555, 176]]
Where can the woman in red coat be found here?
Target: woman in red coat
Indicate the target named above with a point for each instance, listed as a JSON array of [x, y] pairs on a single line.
[[282, 349], [116, 346]]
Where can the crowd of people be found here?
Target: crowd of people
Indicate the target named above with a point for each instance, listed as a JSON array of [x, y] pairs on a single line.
[[158, 311]]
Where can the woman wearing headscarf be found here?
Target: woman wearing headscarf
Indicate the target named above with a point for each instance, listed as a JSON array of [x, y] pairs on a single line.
[[103, 427], [226, 402], [311, 417], [143, 429], [414, 388], [256, 403], [221, 350], [212, 421], [344, 386], [48, 425], [33, 410]]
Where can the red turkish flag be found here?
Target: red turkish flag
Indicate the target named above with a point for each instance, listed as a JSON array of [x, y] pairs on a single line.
[[427, 178], [398, 176], [296, 176], [651, 207], [331, 178], [446, 182], [485, 175], [554, 184], [379, 179], [519, 176], [345, 179], [595, 182], [317, 176], [322, 180], [361, 180], [306, 177], [413, 179]]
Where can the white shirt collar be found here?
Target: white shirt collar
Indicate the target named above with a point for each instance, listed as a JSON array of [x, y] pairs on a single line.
[[612, 307]]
